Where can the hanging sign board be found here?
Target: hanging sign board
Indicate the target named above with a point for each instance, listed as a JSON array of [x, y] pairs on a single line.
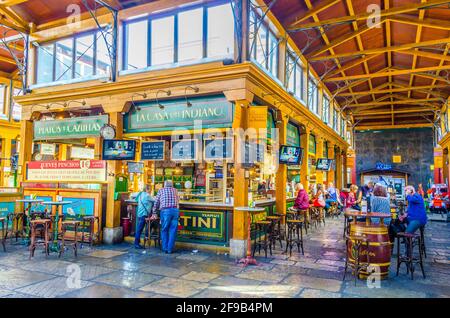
[[80, 127], [396, 159], [152, 150], [67, 171], [48, 149], [218, 149], [184, 150], [82, 153]]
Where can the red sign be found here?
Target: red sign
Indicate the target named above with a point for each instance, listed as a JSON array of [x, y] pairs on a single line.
[[67, 171]]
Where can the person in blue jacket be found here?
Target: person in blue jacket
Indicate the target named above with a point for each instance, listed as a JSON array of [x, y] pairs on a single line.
[[416, 215]]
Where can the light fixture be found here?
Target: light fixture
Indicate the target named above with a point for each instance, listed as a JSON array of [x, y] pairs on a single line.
[[195, 89], [168, 93]]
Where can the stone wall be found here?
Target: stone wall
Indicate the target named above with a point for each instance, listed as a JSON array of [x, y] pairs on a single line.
[[414, 145]]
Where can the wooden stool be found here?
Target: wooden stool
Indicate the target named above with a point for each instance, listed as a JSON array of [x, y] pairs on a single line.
[[4, 232], [275, 230], [156, 236], [422, 240], [357, 266], [317, 215], [88, 223], [16, 219], [411, 240], [294, 235], [333, 210], [64, 227], [45, 223], [262, 230]]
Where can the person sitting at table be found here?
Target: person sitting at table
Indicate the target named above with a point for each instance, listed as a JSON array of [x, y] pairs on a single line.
[[333, 196], [380, 203], [302, 200], [354, 198], [318, 200], [416, 215], [145, 205], [167, 203]]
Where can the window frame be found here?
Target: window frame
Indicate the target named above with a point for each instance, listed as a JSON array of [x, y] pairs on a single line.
[[269, 33], [291, 55], [327, 112], [175, 13], [96, 37]]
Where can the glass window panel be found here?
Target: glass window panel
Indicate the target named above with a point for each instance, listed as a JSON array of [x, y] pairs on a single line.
[[44, 72], [2, 100], [103, 61], [64, 54], [190, 35], [163, 41], [273, 55], [84, 58], [137, 45], [252, 34], [261, 45], [220, 31], [299, 81], [16, 108], [290, 73]]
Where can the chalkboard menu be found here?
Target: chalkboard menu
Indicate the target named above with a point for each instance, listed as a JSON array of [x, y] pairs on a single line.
[[152, 150], [184, 150], [219, 149]]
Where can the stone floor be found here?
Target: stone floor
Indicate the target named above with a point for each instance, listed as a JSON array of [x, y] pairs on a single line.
[[122, 271]]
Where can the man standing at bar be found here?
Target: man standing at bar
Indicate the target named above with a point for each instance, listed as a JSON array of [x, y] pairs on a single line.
[[167, 203]]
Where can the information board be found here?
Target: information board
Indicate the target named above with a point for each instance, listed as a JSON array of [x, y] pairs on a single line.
[[152, 150]]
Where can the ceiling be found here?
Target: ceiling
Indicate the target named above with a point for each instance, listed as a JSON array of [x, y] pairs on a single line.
[[393, 72], [396, 73]]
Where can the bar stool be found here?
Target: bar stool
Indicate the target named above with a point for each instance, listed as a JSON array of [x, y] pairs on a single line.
[[156, 235], [282, 226], [411, 240], [16, 219], [88, 224], [262, 237], [333, 210], [275, 230], [357, 266], [45, 227], [317, 215], [65, 226], [295, 235], [4, 232], [422, 240]]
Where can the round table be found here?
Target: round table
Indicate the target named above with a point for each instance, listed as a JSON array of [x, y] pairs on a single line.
[[28, 203], [55, 225], [249, 260]]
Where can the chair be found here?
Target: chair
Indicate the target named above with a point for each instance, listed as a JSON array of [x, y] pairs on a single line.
[[411, 240], [155, 235], [262, 237], [275, 230], [65, 226], [88, 225], [4, 232], [295, 235], [45, 224], [357, 266]]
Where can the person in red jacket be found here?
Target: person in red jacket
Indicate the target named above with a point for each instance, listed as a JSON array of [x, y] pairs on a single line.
[[302, 200]]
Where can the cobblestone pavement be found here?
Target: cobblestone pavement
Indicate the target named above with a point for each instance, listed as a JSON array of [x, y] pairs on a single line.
[[122, 271]]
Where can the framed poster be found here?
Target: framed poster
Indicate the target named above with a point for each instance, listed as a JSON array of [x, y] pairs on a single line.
[[218, 149], [153, 150], [184, 150]]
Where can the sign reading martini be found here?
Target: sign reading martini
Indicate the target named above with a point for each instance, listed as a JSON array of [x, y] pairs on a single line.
[[212, 112], [80, 127]]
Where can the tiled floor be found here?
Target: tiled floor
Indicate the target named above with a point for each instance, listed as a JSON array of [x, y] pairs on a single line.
[[122, 271]]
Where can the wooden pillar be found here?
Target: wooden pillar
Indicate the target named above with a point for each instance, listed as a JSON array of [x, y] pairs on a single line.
[[25, 150], [113, 232], [281, 174], [63, 152], [6, 154], [330, 174], [339, 184], [319, 154], [304, 171]]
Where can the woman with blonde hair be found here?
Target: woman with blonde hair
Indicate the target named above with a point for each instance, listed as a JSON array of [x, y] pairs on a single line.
[[302, 200], [353, 198]]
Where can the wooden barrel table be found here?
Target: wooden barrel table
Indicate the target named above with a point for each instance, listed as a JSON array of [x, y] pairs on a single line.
[[379, 248]]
